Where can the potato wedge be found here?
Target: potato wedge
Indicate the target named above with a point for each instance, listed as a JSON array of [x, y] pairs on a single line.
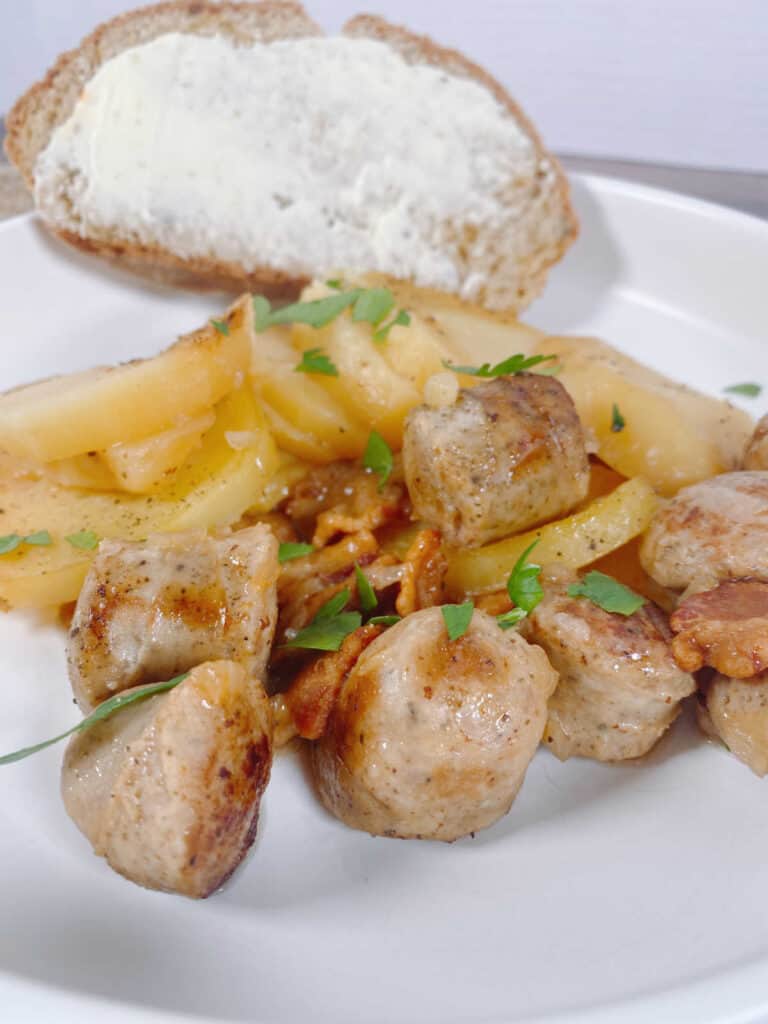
[[673, 436], [87, 470], [579, 539], [141, 467], [63, 416], [214, 487]]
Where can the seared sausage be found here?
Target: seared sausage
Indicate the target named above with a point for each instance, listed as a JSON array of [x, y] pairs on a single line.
[[711, 531], [168, 789], [152, 609], [507, 455], [431, 738], [619, 688]]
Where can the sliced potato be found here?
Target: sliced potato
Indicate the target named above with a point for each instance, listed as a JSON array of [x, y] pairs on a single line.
[[214, 487], [672, 435], [301, 402], [142, 466], [87, 470], [63, 416], [579, 539]]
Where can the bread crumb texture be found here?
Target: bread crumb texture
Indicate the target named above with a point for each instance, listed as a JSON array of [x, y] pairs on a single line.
[[304, 155]]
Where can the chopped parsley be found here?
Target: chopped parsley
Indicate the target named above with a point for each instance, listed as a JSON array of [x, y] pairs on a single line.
[[607, 593], [11, 541], [336, 283], [378, 457], [85, 540], [617, 420], [748, 390], [314, 360], [290, 550], [330, 626], [221, 326], [365, 592], [507, 367], [523, 586], [109, 707], [402, 319], [384, 620], [510, 619], [373, 305], [369, 305], [457, 618]]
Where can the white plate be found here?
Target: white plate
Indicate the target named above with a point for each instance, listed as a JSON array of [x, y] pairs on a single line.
[[610, 893]]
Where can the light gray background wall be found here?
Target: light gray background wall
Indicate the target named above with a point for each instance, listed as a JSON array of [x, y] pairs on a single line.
[[670, 81]]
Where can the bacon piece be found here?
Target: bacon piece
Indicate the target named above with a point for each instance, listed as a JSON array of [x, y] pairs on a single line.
[[424, 566], [725, 628], [309, 699]]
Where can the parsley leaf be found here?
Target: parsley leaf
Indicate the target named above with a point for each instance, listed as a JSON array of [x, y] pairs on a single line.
[[330, 626], [261, 313], [384, 620], [290, 550], [378, 457], [510, 619], [607, 593], [372, 305], [523, 586], [41, 539], [221, 326], [9, 543], [317, 312], [109, 707], [336, 283], [366, 593], [748, 390], [314, 360], [457, 618], [617, 420], [85, 540], [402, 319], [507, 367], [12, 541]]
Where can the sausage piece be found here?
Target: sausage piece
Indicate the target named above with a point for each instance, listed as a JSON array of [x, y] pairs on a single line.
[[168, 789], [507, 455], [736, 712], [431, 738]]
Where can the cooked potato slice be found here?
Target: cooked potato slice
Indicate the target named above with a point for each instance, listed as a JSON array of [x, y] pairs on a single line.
[[672, 435], [87, 470], [214, 487], [89, 411], [302, 403], [142, 466], [580, 539]]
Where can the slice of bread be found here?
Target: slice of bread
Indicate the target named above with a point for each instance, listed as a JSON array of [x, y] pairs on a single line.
[[272, 164]]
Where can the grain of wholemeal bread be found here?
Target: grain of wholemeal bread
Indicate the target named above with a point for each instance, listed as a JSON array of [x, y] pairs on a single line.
[[234, 145]]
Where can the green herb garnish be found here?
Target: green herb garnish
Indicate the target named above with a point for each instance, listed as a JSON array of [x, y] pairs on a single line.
[[365, 592], [607, 593], [109, 707], [617, 420], [510, 619], [523, 585], [457, 618], [11, 541], [384, 620], [372, 305], [85, 540], [336, 283], [748, 390], [402, 319], [314, 360], [507, 367], [330, 626], [378, 457], [289, 550], [221, 326]]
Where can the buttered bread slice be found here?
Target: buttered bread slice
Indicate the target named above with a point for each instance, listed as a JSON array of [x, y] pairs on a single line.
[[235, 145]]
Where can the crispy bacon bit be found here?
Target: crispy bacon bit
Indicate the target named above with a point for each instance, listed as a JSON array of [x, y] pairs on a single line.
[[308, 701], [424, 566], [342, 498], [725, 628]]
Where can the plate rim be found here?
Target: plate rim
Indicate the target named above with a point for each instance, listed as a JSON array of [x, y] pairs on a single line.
[[737, 994]]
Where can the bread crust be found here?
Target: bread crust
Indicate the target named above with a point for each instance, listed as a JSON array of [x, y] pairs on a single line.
[[49, 102]]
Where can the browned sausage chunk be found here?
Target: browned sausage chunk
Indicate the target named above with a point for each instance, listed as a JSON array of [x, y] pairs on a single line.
[[619, 688], [711, 531], [152, 609], [508, 455], [168, 789], [431, 738]]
